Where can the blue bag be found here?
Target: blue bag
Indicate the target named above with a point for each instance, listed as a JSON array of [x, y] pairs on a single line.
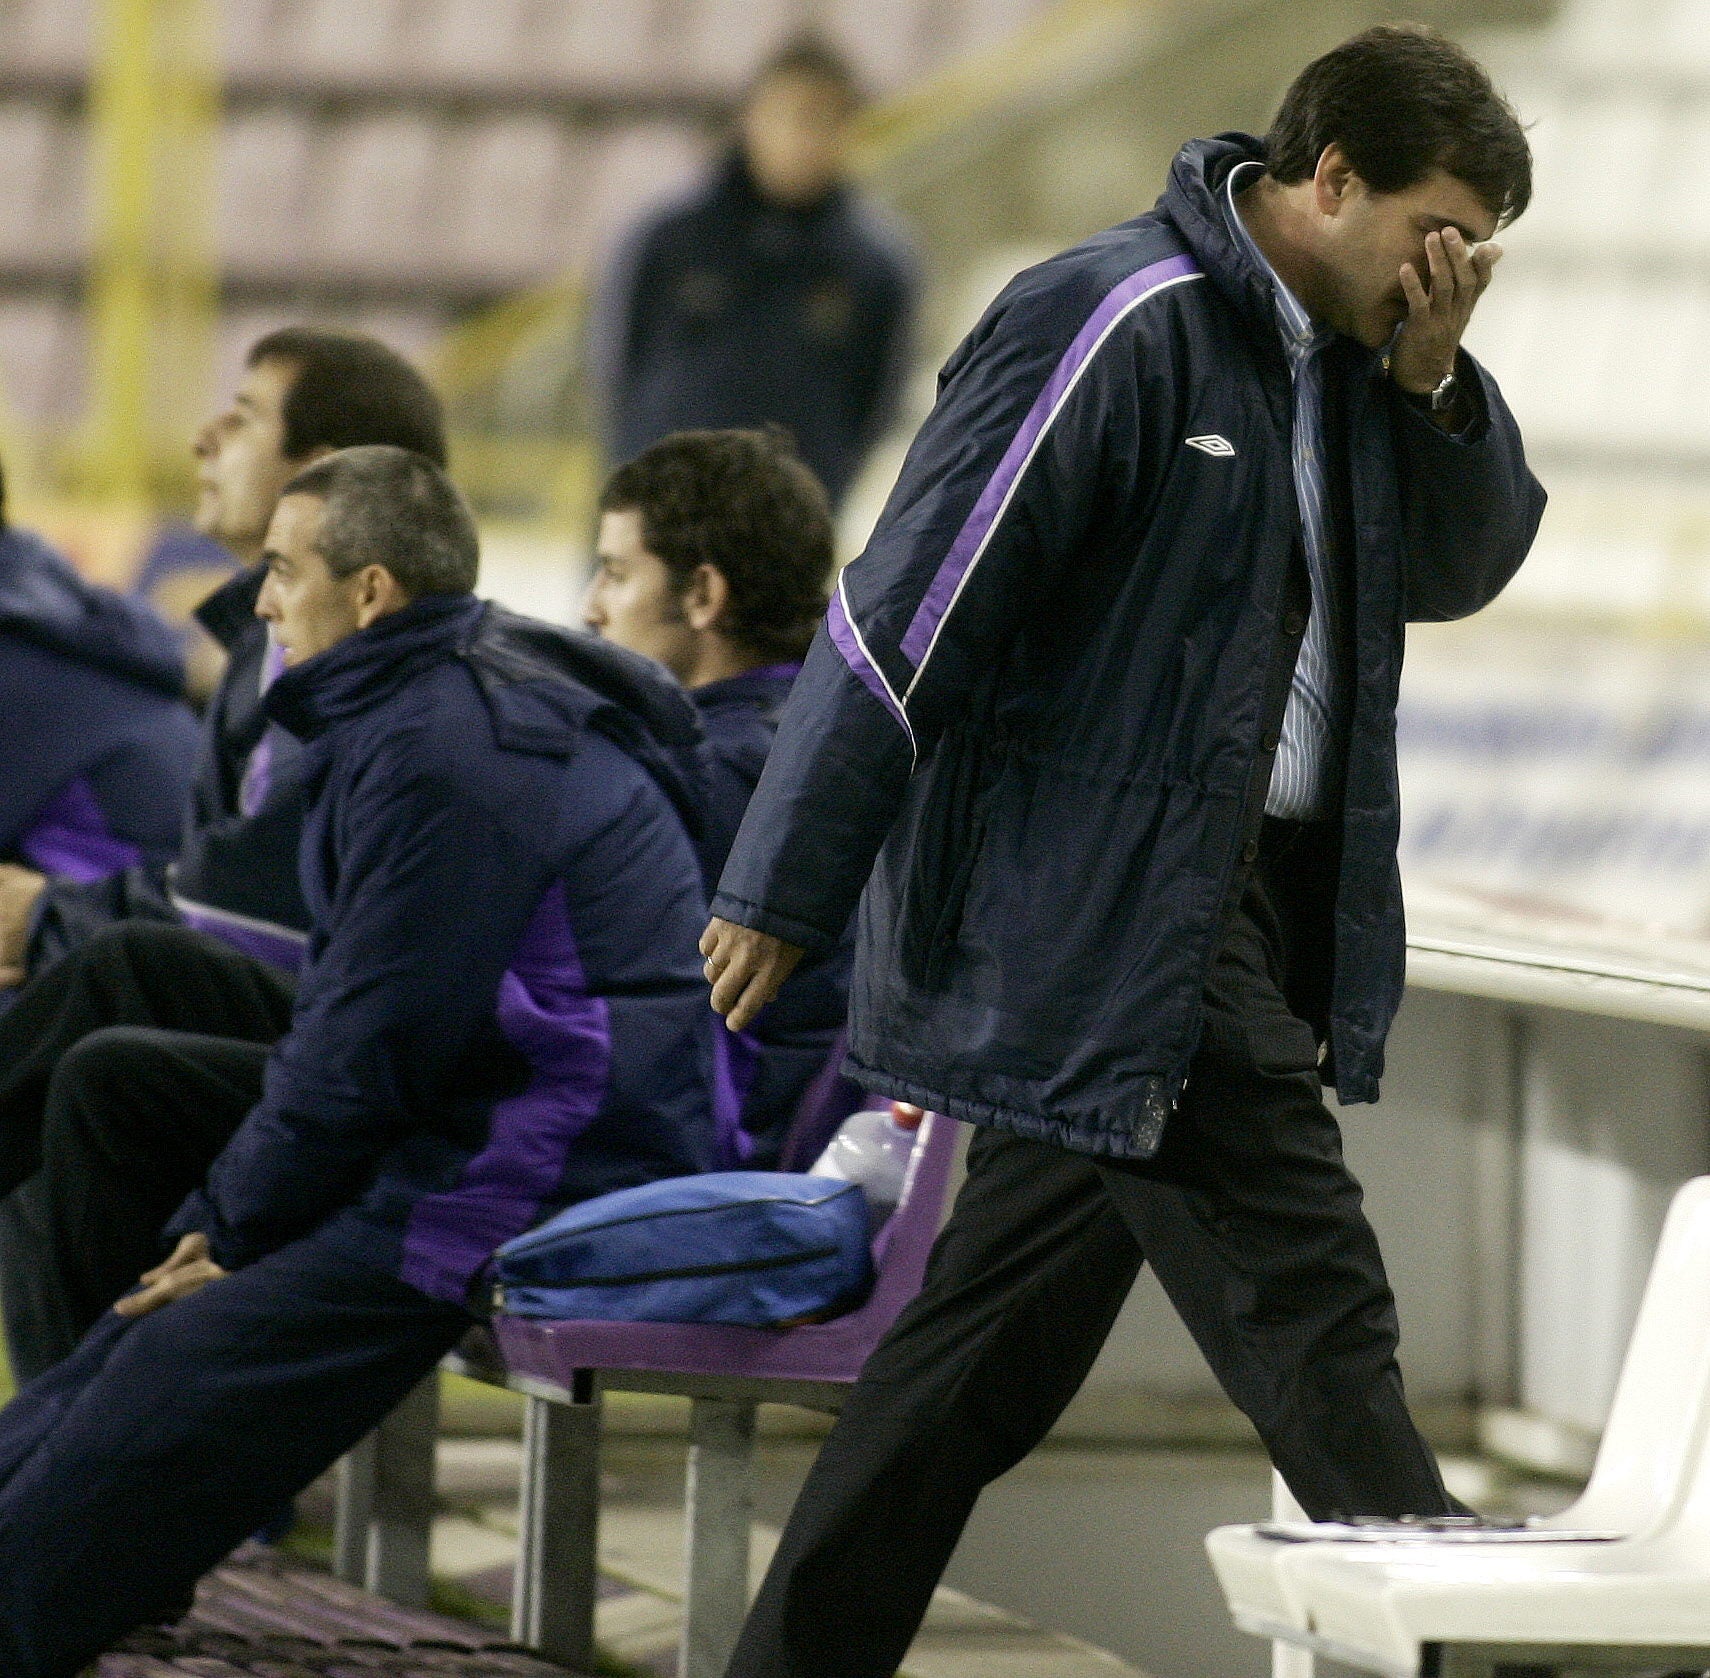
[[756, 1247]]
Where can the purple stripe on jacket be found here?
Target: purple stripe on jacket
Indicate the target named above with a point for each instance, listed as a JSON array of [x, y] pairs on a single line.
[[71, 840], [276, 946], [847, 642], [546, 1013], [988, 508], [258, 772]]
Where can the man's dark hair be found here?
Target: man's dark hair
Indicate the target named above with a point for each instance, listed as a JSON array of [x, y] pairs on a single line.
[[814, 58], [1401, 100], [743, 501], [348, 391], [392, 507]]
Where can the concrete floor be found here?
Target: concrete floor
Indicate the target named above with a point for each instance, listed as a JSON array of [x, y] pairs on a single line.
[[1106, 1545]]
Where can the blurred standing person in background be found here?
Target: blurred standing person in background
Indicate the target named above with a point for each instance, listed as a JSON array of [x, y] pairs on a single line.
[[773, 293]]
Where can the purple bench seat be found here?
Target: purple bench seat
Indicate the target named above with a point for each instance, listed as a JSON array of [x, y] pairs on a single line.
[[562, 1368]]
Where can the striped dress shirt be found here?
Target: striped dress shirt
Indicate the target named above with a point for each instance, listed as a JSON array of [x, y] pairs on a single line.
[[1302, 779]]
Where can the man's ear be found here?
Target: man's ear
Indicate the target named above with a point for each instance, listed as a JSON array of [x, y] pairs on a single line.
[[378, 593], [1332, 179], [706, 597]]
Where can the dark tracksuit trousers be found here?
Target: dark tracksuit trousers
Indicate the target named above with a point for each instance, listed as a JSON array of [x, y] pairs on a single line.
[[1254, 1226], [157, 1446], [140, 1461], [97, 1161]]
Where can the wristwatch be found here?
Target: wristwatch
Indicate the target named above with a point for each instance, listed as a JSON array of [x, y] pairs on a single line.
[[1443, 397]]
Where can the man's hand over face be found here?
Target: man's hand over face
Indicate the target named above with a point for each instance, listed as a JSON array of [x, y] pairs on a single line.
[[1424, 353], [188, 1271], [745, 969], [19, 890]]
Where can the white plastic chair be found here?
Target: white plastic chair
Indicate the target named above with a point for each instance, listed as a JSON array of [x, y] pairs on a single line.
[[1420, 1604]]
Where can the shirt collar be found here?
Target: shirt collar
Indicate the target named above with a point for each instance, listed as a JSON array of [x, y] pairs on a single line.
[[1295, 323]]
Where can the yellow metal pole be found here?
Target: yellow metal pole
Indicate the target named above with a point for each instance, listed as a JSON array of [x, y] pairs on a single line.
[[122, 133], [153, 116]]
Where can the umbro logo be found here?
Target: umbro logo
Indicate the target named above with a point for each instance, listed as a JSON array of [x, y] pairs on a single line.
[[1212, 444]]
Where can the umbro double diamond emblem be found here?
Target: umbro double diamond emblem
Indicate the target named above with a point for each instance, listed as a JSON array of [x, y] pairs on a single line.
[[1212, 444]]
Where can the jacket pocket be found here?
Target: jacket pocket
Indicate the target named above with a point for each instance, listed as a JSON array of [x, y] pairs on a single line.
[[947, 839]]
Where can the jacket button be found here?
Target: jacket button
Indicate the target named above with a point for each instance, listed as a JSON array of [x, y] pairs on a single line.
[[1293, 624], [1250, 851]]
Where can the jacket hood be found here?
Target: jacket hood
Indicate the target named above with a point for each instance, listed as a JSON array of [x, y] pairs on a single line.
[[542, 687], [636, 703], [368, 667], [1192, 203], [44, 600]]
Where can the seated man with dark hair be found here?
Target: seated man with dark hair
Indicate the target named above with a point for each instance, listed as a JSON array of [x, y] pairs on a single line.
[[501, 1013], [99, 744], [126, 949], [714, 552], [305, 393]]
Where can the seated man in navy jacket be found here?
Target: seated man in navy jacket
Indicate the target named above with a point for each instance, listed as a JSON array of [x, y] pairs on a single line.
[[99, 745], [501, 1013], [125, 949], [714, 552]]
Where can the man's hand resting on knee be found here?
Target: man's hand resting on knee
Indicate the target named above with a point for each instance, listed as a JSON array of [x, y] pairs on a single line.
[[188, 1271], [745, 968]]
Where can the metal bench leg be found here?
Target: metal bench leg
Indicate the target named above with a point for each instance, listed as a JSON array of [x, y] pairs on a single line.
[[400, 1534], [718, 1514], [353, 1510], [384, 1521], [557, 1578]]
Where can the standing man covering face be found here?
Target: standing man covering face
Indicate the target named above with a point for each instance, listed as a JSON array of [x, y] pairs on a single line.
[[714, 552], [1104, 722]]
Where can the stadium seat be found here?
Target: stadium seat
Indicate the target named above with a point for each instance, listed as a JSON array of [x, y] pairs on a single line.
[[634, 168], [596, 49], [382, 176], [49, 36], [343, 40], [1631, 1590], [510, 181], [265, 167], [40, 352], [888, 40], [562, 1368], [714, 45], [30, 138], [481, 43]]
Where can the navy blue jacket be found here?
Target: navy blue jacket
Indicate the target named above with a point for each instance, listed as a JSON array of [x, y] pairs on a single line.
[[1045, 698], [235, 875], [775, 1060], [727, 309], [502, 1009], [98, 743], [236, 828]]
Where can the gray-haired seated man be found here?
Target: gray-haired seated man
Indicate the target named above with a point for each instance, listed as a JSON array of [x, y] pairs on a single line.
[[502, 1012]]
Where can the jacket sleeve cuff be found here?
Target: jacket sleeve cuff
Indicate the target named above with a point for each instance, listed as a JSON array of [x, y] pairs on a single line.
[[1426, 430], [199, 1216], [814, 939]]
